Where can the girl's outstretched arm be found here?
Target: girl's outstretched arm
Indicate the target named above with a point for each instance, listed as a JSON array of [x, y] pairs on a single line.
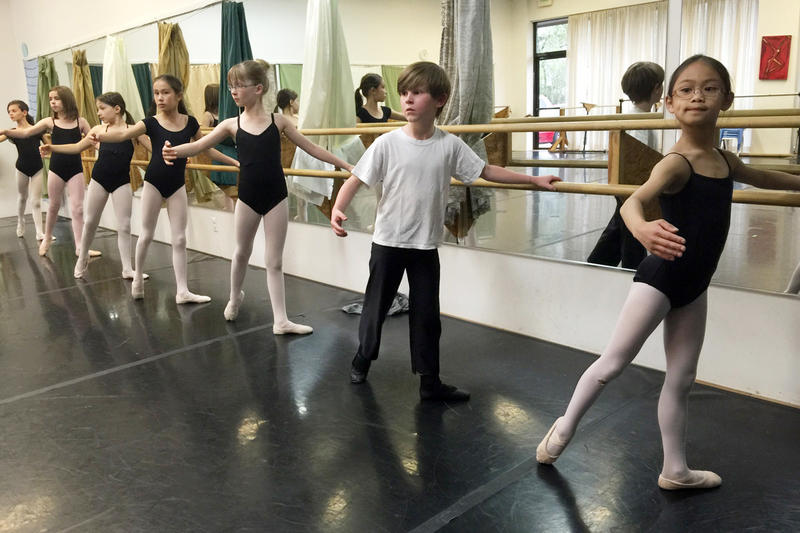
[[659, 237], [73, 148], [118, 136], [200, 143], [764, 179], [307, 146], [40, 127]]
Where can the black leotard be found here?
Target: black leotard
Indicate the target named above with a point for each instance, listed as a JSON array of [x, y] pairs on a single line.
[[364, 115], [112, 169], [262, 184], [29, 162], [66, 166], [701, 211], [167, 179]]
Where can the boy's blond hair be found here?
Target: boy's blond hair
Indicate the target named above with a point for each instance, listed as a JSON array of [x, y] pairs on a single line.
[[424, 75]]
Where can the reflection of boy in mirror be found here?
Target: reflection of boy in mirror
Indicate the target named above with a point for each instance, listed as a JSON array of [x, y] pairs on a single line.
[[643, 83], [288, 104], [415, 164]]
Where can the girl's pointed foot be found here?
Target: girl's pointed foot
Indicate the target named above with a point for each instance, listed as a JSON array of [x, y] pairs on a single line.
[[290, 328], [191, 298], [232, 309]]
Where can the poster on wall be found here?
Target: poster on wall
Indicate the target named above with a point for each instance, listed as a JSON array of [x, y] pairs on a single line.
[[775, 57]]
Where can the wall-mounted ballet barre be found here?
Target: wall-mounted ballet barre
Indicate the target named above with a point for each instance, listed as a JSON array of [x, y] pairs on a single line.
[[761, 197]]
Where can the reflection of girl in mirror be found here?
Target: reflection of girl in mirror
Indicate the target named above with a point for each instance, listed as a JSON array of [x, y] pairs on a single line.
[[694, 183], [110, 176], [288, 104], [66, 171], [163, 182], [226, 181], [374, 90], [28, 168], [262, 187]]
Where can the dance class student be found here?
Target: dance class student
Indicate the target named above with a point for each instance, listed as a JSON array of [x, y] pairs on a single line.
[[694, 183], [262, 187], [66, 170], [373, 89], [415, 164], [110, 176], [163, 182], [29, 168], [288, 104]]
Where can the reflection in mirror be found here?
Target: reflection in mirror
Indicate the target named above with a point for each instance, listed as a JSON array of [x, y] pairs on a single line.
[[571, 72]]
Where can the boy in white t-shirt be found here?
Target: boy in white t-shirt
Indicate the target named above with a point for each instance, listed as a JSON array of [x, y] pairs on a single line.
[[415, 164]]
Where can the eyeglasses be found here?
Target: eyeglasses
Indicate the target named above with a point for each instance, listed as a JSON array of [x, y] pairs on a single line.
[[232, 88], [709, 91]]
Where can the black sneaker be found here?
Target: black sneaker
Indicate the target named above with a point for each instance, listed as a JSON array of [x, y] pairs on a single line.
[[443, 393], [359, 369]]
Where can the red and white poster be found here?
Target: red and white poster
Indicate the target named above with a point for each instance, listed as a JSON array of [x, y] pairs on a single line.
[[775, 57]]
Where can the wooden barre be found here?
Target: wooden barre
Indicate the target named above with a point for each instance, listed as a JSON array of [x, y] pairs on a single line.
[[748, 196]]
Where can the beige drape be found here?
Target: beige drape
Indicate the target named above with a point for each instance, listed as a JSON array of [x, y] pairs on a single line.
[[199, 77], [84, 97], [173, 58]]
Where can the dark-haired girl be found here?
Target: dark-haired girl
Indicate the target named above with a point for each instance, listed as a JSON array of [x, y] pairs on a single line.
[[110, 176], [28, 168], [162, 182], [288, 105], [694, 183], [373, 90], [66, 170]]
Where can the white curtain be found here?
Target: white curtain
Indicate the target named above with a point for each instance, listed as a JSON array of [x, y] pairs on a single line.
[[725, 30], [118, 76], [327, 100], [601, 46]]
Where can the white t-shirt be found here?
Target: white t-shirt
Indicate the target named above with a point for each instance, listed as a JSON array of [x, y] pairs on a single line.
[[416, 179], [648, 137]]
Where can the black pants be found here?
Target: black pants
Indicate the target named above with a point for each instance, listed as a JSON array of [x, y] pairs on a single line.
[[616, 244], [386, 267]]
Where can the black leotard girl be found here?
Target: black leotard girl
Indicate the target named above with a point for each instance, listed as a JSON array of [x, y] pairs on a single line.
[[167, 179], [66, 166], [262, 184]]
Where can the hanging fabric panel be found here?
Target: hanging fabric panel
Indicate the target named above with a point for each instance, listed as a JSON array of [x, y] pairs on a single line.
[[118, 76], [390, 73], [47, 80], [144, 84], [291, 77], [96, 74], [32, 82], [82, 87], [235, 47], [328, 101], [466, 56]]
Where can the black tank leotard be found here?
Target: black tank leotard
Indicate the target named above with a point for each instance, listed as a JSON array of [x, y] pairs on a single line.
[[66, 166], [29, 162], [112, 169], [702, 212], [167, 179], [262, 184]]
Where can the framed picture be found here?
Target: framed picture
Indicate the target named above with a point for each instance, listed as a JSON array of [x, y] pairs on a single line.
[[775, 57]]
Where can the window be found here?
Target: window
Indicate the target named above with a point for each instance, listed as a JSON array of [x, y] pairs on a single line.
[[549, 73]]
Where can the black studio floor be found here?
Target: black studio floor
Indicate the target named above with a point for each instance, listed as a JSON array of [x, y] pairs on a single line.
[[122, 416]]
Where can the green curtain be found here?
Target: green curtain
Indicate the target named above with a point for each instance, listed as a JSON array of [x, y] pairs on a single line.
[[96, 73], [291, 77], [144, 83], [48, 78], [235, 49], [390, 74]]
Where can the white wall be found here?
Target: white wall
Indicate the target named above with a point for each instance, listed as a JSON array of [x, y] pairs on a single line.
[[752, 340], [12, 88]]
